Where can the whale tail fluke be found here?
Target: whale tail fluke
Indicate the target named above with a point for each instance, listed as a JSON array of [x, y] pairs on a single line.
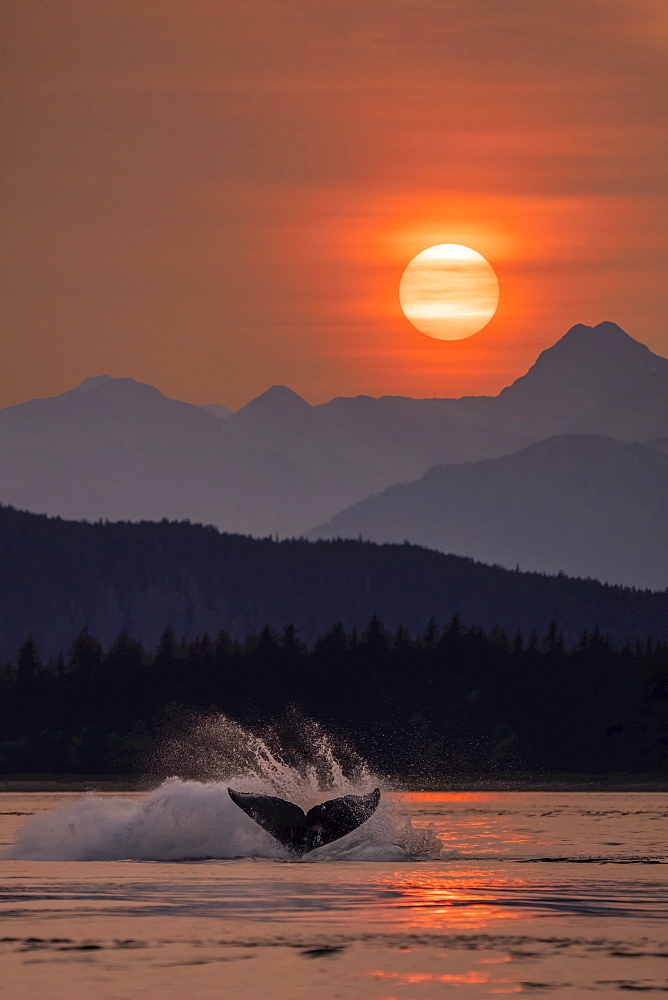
[[302, 832], [283, 820]]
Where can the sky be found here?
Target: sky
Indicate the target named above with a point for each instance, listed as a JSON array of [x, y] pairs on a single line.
[[215, 196]]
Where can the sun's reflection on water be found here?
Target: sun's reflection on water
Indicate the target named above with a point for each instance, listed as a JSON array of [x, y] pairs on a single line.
[[472, 899], [473, 822], [440, 797], [410, 978]]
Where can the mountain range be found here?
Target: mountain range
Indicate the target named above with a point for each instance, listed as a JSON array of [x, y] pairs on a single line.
[[584, 505], [113, 448]]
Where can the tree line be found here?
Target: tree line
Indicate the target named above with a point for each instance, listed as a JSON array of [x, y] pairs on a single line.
[[445, 701], [58, 576]]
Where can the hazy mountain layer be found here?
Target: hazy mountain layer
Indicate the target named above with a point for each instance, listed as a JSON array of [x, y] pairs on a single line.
[[114, 448], [583, 505], [60, 576]]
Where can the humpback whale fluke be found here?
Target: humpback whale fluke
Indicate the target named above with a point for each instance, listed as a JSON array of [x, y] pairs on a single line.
[[302, 832]]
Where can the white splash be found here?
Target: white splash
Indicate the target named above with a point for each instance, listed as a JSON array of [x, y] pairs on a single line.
[[188, 819]]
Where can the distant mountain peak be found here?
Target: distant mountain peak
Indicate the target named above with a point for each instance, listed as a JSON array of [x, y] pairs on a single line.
[[119, 391], [279, 399], [116, 386], [604, 335], [94, 382], [586, 356]]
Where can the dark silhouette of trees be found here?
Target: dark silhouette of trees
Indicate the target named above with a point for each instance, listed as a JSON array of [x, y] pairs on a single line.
[[59, 576], [443, 701]]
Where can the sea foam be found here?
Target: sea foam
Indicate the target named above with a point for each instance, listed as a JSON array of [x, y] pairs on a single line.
[[192, 819]]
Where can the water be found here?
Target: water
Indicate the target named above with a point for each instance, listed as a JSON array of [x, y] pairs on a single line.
[[176, 893]]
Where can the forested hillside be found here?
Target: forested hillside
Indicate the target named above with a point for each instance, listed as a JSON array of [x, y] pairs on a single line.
[[59, 577]]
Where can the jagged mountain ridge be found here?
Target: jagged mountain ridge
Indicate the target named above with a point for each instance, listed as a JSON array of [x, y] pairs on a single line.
[[114, 448]]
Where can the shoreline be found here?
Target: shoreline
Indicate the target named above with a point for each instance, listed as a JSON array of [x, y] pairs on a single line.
[[520, 783]]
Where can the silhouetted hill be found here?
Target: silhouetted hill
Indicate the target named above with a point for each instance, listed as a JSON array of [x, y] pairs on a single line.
[[116, 449], [582, 505], [59, 576]]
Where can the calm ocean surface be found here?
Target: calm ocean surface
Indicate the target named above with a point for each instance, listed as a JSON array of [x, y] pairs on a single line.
[[143, 895]]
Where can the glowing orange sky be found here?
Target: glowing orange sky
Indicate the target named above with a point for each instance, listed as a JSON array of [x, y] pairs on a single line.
[[217, 196]]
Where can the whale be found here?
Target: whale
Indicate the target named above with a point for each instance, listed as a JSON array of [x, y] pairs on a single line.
[[301, 832]]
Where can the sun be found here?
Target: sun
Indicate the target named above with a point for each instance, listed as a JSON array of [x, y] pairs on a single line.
[[449, 291]]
